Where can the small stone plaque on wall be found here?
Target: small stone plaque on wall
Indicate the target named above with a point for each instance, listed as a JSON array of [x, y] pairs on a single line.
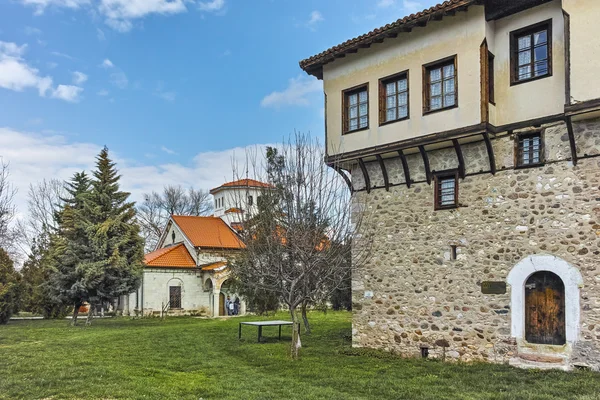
[[491, 287]]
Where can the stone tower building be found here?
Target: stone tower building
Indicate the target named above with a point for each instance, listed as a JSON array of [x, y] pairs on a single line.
[[470, 134]]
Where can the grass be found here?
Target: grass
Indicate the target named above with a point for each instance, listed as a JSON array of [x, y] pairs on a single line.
[[189, 358]]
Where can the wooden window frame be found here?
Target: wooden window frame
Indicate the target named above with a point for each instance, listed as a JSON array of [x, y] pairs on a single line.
[[427, 82], [345, 122], [437, 176], [514, 51], [517, 152], [383, 97], [491, 73]]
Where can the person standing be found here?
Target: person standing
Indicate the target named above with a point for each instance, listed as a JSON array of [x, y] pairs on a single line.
[[236, 306], [227, 303]]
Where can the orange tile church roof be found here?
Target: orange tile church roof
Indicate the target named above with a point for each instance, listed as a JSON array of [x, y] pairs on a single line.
[[173, 256], [211, 232], [214, 266]]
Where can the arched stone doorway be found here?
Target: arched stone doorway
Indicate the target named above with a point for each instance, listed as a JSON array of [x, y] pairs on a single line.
[[545, 309], [571, 280]]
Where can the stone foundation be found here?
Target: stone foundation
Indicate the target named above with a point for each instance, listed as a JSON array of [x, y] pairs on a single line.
[[412, 295]]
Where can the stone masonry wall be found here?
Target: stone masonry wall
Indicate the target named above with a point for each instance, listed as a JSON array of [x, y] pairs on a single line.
[[411, 294]]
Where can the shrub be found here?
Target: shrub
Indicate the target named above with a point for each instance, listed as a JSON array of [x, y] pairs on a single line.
[[9, 287]]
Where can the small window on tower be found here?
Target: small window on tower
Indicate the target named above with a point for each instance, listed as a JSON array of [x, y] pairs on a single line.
[[250, 200], [529, 149], [446, 190]]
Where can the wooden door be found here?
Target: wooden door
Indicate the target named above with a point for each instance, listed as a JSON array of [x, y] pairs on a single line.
[[221, 304], [545, 309]]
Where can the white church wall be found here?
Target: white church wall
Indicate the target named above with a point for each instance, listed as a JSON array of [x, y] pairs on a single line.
[[156, 289]]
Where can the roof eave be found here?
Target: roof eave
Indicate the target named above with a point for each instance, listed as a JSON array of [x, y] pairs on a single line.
[[314, 65]]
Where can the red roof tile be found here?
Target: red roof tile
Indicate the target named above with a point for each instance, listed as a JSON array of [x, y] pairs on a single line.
[[173, 256], [213, 266], [209, 232], [243, 183], [314, 65]]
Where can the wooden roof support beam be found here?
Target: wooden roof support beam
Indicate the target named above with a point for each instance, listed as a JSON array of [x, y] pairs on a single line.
[[572, 144], [426, 163], [405, 168], [365, 174], [386, 180], [461, 160], [490, 151], [340, 171]]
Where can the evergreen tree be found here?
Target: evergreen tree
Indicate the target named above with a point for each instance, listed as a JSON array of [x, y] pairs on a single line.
[[36, 272], [9, 287], [116, 249], [70, 247]]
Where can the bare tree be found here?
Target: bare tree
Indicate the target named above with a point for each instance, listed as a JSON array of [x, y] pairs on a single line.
[[44, 200], [155, 210], [298, 241], [7, 208]]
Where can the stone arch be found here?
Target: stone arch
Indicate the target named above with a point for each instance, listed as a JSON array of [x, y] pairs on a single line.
[[571, 278], [208, 285]]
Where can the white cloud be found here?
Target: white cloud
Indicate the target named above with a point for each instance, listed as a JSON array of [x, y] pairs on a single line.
[[119, 79], [100, 34], [31, 31], [167, 150], [295, 94], [68, 93], [120, 13], [34, 156], [79, 77], [315, 18], [41, 5], [63, 55], [17, 75], [107, 64], [103, 92], [211, 6]]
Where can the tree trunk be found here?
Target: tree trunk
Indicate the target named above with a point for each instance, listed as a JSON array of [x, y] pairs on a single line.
[[75, 314], [305, 318], [90, 315], [296, 344]]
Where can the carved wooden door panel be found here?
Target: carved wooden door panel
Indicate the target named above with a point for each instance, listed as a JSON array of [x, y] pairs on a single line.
[[545, 309]]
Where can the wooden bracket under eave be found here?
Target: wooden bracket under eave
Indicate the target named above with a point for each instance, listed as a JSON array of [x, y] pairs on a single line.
[[572, 144], [345, 177], [459, 156], [386, 180], [426, 163], [490, 151], [405, 168], [361, 163]]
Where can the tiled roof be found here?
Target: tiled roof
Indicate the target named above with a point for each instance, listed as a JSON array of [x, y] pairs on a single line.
[[234, 210], [173, 256], [214, 266], [209, 232], [243, 183], [313, 65]]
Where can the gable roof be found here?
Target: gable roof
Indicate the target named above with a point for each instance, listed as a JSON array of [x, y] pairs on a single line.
[[314, 65], [172, 256], [211, 232], [242, 183]]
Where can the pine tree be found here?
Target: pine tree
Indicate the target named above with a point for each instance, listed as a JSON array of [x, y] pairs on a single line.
[[9, 287], [114, 267], [70, 247]]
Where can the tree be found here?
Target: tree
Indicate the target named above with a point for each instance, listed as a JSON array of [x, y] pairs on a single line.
[[7, 208], [116, 250], [297, 241], [36, 272], [9, 287], [70, 247], [156, 209]]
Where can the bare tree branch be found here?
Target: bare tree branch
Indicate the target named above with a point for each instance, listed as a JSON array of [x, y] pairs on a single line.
[[7, 208]]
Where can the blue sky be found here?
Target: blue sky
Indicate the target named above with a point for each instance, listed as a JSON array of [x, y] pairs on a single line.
[[173, 87]]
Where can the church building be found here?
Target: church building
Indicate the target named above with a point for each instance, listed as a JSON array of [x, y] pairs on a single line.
[[470, 135], [188, 272]]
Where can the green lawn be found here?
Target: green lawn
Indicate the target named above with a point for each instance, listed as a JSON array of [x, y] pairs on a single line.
[[188, 358]]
